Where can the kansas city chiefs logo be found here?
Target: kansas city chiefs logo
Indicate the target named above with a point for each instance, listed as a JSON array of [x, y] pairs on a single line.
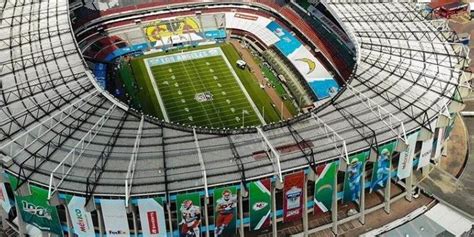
[[259, 206]]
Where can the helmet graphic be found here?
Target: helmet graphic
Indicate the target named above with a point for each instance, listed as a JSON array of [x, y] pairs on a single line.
[[187, 203], [226, 194]]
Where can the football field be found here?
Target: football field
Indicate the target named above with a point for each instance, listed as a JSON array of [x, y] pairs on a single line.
[[200, 88]]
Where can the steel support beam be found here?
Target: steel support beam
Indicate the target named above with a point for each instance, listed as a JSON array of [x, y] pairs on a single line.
[[272, 154], [64, 167], [132, 163], [204, 177]]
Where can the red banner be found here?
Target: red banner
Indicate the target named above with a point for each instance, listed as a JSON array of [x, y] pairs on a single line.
[[293, 197], [153, 222]]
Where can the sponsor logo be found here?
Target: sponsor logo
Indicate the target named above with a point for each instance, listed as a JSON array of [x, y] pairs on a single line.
[[153, 222], [38, 211], [293, 212], [81, 222], [259, 206], [293, 198], [117, 232]]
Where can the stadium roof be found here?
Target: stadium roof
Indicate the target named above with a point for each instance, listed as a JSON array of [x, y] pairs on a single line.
[[61, 130]]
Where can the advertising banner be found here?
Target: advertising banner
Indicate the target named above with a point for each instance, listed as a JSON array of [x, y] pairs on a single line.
[[427, 148], [189, 214], [354, 176], [439, 144], [80, 218], [405, 163], [381, 169], [4, 200], [324, 187], [293, 197], [35, 210], [225, 208], [115, 217], [260, 199], [152, 217]]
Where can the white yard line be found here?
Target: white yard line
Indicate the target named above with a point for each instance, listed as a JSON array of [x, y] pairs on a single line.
[[202, 83], [157, 92], [190, 79], [242, 87]]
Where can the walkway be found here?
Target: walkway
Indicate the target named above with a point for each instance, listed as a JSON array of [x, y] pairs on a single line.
[[457, 193]]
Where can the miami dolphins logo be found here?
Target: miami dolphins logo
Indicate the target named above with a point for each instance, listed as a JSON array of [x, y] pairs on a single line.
[[311, 64]]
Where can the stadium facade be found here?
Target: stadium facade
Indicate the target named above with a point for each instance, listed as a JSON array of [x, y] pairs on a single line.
[[76, 160]]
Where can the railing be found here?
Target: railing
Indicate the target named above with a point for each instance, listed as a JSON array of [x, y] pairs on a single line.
[[391, 121], [339, 143], [272, 154], [33, 134], [63, 169]]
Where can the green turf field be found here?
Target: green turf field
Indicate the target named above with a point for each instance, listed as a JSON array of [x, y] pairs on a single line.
[[202, 92]]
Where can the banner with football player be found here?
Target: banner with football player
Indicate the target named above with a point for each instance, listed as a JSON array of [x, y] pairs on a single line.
[[225, 208], [35, 210], [324, 186], [152, 217], [381, 169], [293, 197], [260, 204], [4, 200], [354, 176], [115, 217], [405, 163], [80, 218], [189, 214]]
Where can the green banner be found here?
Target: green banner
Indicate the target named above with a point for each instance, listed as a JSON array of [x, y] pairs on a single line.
[[188, 207], [353, 178], [225, 211], [324, 186], [381, 169], [35, 210], [260, 204]]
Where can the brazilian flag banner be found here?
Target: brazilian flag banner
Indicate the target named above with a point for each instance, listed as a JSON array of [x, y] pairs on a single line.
[[260, 200], [225, 211], [324, 186], [188, 207], [381, 169], [354, 176], [35, 210]]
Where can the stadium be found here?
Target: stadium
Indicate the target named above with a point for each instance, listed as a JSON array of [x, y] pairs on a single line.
[[218, 118]]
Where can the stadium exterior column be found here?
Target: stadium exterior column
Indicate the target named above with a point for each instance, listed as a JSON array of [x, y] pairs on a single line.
[[170, 222], [21, 223], [241, 213], [334, 206], [305, 206], [206, 214], [68, 219], [3, 216], [101, 225], [387, 194], [274, 217], [409, 186], [134, 220], [362, 196]]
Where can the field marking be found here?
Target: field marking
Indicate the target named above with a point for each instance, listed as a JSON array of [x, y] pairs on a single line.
[[175, 106], [194, 88], [242, 87], [157, 92], [202, 83]]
